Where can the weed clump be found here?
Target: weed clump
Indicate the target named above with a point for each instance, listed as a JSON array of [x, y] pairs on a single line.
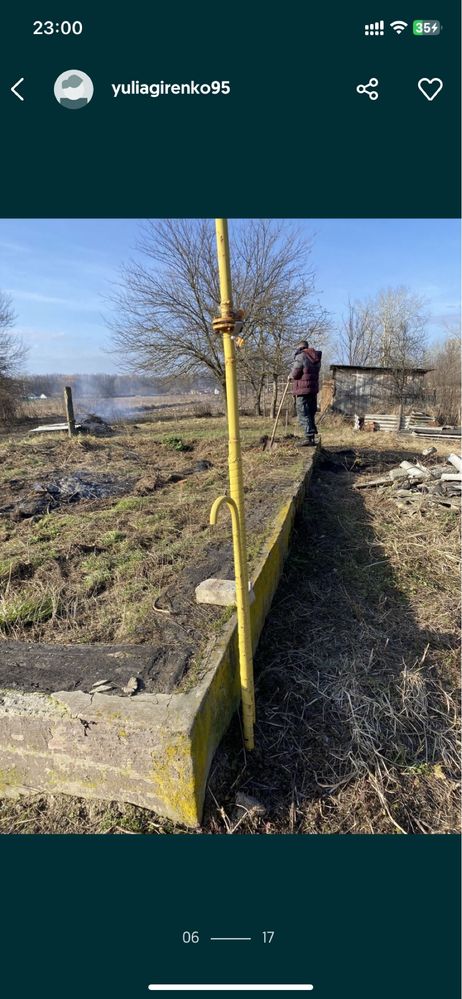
[[17, 610], [129, 503], [111, 538], [176, 444]]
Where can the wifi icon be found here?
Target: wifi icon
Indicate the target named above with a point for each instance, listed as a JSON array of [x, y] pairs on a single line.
[[398, 26]]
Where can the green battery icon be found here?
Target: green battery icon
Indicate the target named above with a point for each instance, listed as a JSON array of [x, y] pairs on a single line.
[[426, 28]]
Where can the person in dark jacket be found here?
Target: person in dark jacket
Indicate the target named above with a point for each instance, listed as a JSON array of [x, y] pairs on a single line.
[[305, 387]]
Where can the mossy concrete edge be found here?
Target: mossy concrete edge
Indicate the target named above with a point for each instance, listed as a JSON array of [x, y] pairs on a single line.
[[153, 750]]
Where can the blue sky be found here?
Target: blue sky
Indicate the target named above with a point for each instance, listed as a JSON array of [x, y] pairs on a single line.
[[59, 274]]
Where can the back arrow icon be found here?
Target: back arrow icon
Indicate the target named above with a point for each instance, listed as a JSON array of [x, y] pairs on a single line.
[[14, 91]]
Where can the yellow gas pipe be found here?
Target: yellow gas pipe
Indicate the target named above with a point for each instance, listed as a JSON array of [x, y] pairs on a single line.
[[226, 325]]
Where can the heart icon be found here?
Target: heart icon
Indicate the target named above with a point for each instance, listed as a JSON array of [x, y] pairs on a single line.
[[430, 88]]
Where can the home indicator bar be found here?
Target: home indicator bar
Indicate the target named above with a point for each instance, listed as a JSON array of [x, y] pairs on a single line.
[[230, 988]]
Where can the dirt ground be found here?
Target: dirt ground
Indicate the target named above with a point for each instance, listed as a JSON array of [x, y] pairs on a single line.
[[103, 539], [357, 676]]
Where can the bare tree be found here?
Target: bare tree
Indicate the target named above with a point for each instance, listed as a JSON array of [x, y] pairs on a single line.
[[389, 331], [402, 322], [445, 379], [359, 334], [168, 297], [12, 353]]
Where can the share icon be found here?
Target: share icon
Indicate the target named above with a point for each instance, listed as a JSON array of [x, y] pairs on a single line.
[[369, 88]]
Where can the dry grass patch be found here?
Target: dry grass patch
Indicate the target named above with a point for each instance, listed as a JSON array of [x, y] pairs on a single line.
[[65, 815], [90, 571], [357, 688]]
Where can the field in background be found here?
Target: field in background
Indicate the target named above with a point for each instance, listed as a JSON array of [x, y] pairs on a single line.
[[136, 407], [139, 407]]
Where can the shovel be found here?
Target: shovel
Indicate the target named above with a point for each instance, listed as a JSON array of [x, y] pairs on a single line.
[[270, 442]]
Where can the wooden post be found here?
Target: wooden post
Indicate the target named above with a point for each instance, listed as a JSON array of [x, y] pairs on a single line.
[[69, 406]]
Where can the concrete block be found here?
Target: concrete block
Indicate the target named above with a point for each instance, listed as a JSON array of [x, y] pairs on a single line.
[[221, 592]]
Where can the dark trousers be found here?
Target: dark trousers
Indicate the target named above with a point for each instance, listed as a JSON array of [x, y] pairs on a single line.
[[306, 411]]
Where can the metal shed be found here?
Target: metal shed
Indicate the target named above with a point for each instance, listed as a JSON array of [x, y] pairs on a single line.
[[361, 390]]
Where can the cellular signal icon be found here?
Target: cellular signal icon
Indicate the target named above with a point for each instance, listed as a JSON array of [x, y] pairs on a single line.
[[398, 26], [375, 28]]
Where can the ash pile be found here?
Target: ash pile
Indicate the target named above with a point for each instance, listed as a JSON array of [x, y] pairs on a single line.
[[34, 499], [42, 496], [96, 426], [423, 485]]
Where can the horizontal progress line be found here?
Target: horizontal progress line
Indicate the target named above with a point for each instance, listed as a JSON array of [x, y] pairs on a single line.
[[230, 938], [231, 988]]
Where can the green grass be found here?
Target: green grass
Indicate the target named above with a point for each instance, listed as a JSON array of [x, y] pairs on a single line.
[[131, 503], [7, 566], [111, 538], [15, 610], [176, 443]]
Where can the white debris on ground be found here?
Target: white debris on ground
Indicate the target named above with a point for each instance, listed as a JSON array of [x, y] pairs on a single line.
[[132, 686], [417, 486]]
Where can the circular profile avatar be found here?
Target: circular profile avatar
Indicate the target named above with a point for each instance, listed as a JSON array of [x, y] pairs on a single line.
[[73, 89]]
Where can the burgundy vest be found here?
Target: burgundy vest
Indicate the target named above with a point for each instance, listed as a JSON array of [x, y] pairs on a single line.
[[308, 383]]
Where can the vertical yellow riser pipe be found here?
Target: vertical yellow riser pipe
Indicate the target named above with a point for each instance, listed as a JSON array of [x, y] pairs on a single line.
[[232, 402], [236, 484]]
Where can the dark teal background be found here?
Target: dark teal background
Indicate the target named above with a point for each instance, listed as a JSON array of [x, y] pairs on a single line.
[[362, 917], [367, 917], [293, 139]]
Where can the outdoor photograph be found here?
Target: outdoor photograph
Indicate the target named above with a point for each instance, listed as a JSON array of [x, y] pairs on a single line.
[[230, 495]]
